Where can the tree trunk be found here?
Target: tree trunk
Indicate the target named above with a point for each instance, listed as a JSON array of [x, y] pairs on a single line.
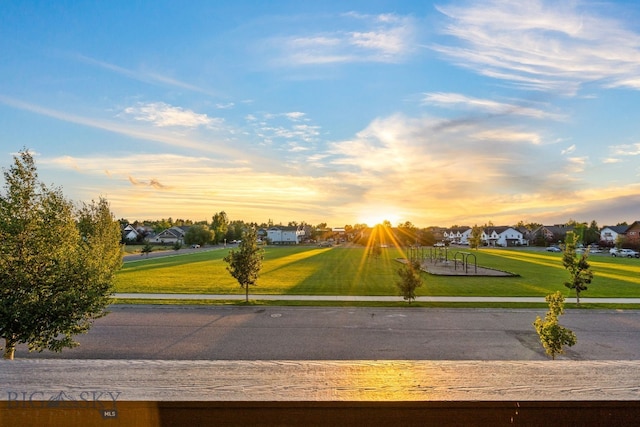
[[246, 290], [9, 349]]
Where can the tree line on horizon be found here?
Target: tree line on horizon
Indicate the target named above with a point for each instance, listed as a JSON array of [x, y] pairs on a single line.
[[221, 229]]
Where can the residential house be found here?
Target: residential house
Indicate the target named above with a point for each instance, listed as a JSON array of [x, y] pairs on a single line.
[[551, 233], [628, 234], [136, 233], [610, 234], [465, 236], [526, 235], [502, 236], [171, 235], [261, 234], [455, 234], [129, 233], [281, 235], [633, 232]]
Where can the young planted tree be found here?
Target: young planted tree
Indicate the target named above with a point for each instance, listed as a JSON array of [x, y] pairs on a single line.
[[410, 280], [57, 263], [376, 250], [146, 249], [553, 336], [578, 267], [245, 262]]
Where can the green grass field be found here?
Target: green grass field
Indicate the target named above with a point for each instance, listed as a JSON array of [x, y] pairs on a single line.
[[304, 270]]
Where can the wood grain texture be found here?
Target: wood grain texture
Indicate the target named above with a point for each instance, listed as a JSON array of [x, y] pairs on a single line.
[[325, 381]]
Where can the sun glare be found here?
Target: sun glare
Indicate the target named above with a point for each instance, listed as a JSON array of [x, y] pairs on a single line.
[[375, 216]]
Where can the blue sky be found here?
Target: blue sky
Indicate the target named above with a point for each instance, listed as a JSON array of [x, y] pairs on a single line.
[[438, 113]]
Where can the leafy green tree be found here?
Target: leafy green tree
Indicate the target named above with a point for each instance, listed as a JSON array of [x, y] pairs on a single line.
[[407, 233], [235, 230], [553, 336], [245, 262], [593, 234], [426, 237], [198, 235], [162, 225], [219, 226], [476, 237], [57, 263], [410, 280], [578, 267]]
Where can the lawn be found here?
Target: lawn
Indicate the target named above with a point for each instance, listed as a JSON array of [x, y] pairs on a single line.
[[300, 270], [137, 249]]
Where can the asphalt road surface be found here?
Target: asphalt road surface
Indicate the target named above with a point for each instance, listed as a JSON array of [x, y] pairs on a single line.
[[333, 333]]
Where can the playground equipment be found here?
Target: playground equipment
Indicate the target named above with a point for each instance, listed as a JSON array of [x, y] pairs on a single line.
[[464, 261], [442, 255]]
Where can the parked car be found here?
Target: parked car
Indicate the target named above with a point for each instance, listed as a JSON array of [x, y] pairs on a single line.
[[629, 253], [553, 249]]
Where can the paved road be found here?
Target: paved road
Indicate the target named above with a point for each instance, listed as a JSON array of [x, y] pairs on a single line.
[[334, 333], [366, 298]]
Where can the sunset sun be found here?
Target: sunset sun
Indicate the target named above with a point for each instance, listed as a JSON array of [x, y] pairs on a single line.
[[375, 215]]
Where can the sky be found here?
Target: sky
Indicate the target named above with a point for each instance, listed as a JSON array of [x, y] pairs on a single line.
[[340, 112]]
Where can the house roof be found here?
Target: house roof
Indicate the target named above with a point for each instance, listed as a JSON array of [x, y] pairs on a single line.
[[555, 229], [177, 232], [619, 229], [498, 229], [282, 228], [458, 229]]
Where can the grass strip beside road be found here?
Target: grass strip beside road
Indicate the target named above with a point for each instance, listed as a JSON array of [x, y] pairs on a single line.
[[300, 303], [349, 271]]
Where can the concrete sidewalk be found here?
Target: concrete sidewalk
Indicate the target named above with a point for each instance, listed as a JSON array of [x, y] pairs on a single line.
[[353, 298]]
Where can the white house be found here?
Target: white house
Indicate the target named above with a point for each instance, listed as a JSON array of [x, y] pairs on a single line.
[[130, 233], [280, 235], [611, 233], [455, 235], [465, 236], [502, 236]]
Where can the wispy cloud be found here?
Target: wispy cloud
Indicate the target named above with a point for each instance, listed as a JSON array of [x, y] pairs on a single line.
[[576, 164], [162, 115], [146, 134], [153, 183], [145, 76], [362, 38], [542, 45], [290, 131], [456, 100], [611, 160], [626, 149]]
